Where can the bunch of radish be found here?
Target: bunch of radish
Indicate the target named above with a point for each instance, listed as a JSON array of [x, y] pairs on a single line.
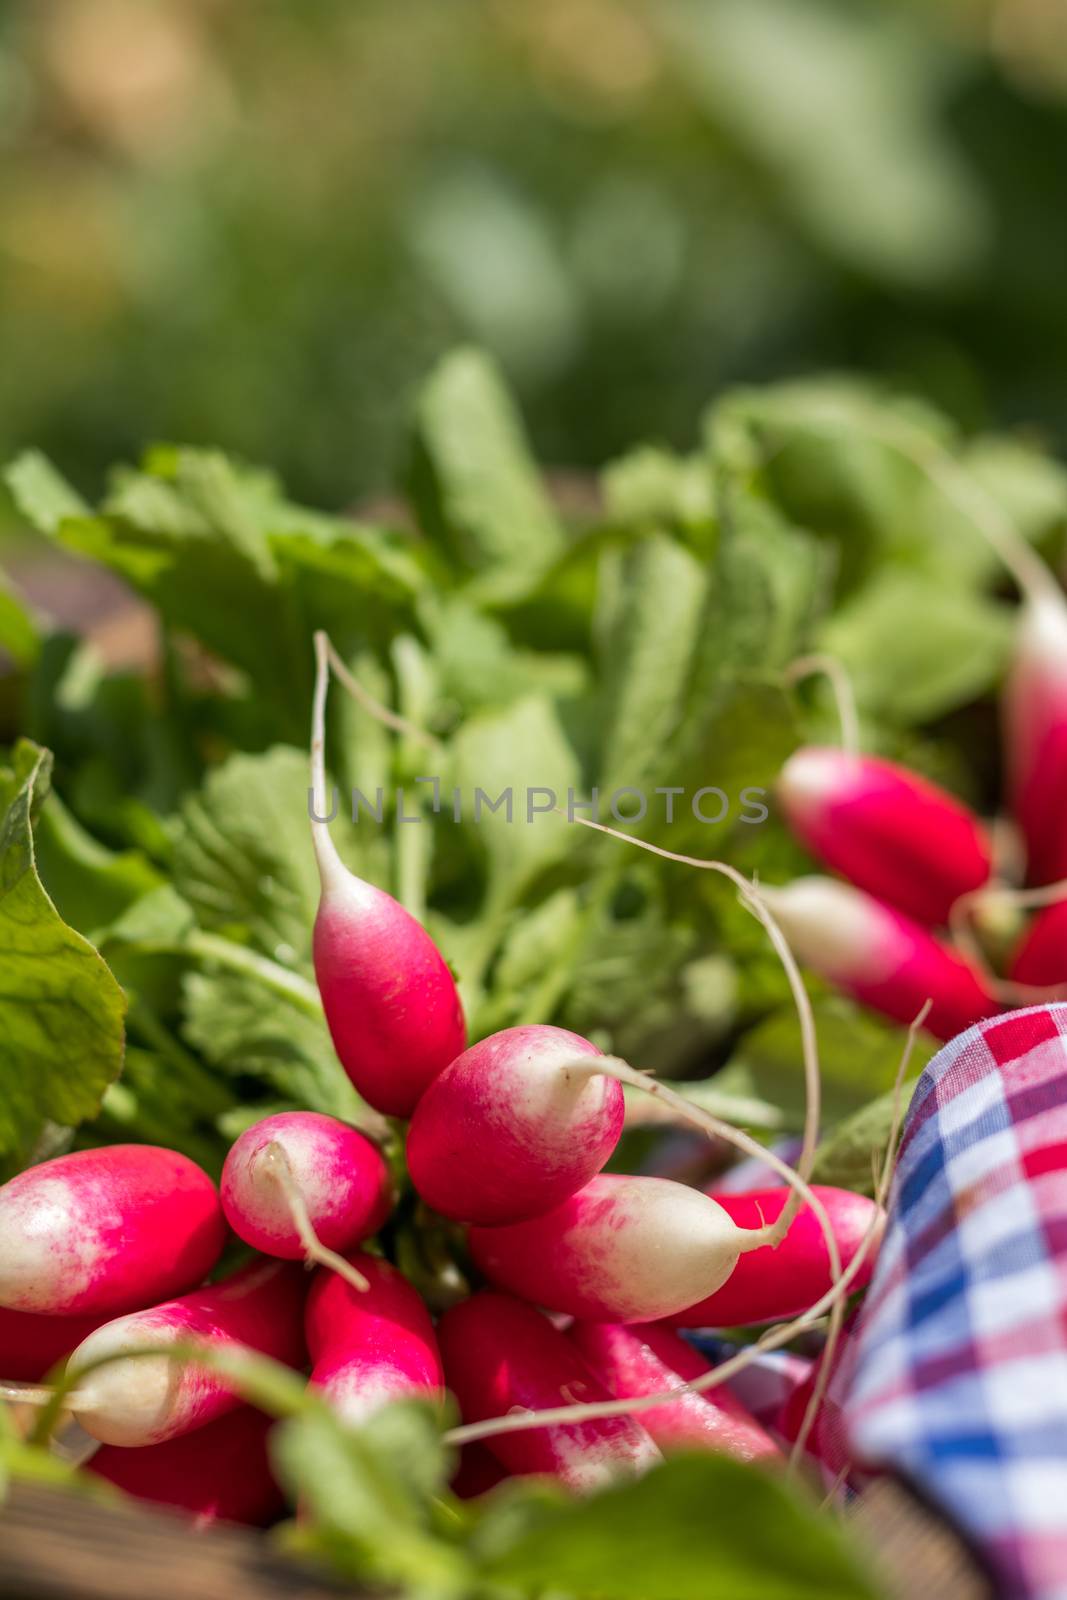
[[568, 1360], [912, 857]]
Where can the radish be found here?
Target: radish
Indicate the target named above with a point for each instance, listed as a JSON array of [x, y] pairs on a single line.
[[622, 1249], [887, 830], [303, 1186], [31, 1345], [146, 1400], [1034, 720], [391, 1002], [373, 1346], [500, 1354], [1040, 961], [514, 1126], [772, 1284], [109, 1230], [878, 955], [651, 1360], [219, 1473]]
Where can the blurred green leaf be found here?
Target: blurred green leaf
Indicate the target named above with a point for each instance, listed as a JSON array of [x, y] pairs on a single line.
[[710, 1517], [371, 1486], [914, 649], [892, 197], [476, 485], [859, 1054]]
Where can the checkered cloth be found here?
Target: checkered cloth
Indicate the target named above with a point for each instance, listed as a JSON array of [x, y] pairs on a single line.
[[956, 1375]]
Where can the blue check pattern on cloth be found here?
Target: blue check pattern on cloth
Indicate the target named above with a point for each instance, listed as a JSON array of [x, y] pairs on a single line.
[[955, 1376]]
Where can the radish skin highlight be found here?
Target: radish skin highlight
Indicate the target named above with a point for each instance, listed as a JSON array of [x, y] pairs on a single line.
[[889, 831], [514, 1126], [881, 957], [623, 1249], [648, 1360], [219, 1473], [771, 1284], [391, 1003], [500, 1354], [304, 1186], [107, 1230], [146, 1400], [369, 1347]]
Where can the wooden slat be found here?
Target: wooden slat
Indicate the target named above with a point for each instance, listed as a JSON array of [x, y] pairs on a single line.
[[57, 1546], [917, 1553]]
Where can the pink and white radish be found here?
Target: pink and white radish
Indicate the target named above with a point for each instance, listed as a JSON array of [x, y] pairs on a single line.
[[305, 1186], [770, 1285], [371, 1346], [881, 957], [513, 1126], [500, 1354], [218, 1473], [889, 831], [31, 1345], [1034, 721], [497, 1428], [623, 1249], [651, 1359], [145, 1400], [107, 1230], [391, 1002]]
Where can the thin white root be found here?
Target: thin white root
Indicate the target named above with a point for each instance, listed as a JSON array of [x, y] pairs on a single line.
[[39, 1394], [330, 865], [276, 1164], [833, 1332], [962, 930], [373, 707], [770, 1234], [840, 683]]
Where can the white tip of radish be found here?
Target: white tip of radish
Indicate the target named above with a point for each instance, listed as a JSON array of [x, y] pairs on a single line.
[[624, 1249], [835, 929], [814, 776], [131, 1402]]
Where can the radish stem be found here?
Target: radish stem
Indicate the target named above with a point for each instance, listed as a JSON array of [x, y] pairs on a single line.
[[960, 915], [771, 1234], [277, 1165], [840, 687], [374, 708]]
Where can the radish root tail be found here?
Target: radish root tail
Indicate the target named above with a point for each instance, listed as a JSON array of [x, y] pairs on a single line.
[[276, 1164], [844, 695]]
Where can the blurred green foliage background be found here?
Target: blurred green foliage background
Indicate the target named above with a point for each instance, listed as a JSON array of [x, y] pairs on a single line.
[[255, 223]]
